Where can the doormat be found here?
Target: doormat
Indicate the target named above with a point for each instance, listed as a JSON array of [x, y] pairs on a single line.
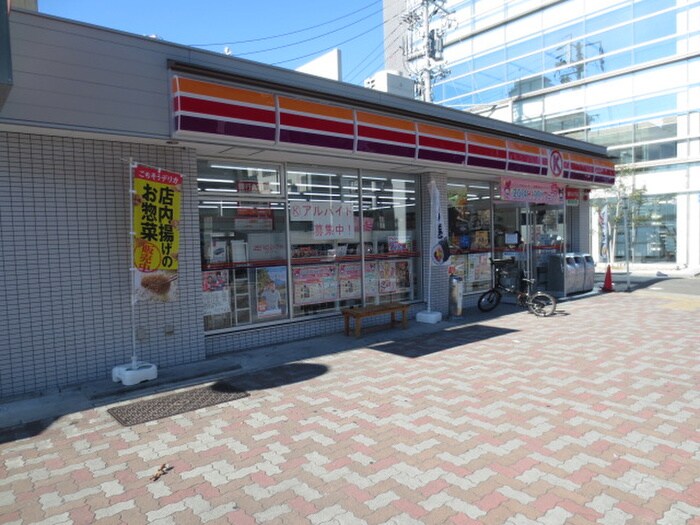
[[173, 404]]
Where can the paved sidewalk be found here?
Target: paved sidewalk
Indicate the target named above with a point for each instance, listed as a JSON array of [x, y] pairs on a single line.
[[590, 416]]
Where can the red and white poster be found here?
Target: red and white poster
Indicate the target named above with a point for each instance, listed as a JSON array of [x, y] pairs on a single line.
[[331, 220], [350, 279], [315, 284]]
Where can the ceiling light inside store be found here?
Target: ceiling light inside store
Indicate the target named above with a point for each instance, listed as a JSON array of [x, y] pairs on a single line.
[[221, 189], [313, 186], [241, 168], [219, 181]]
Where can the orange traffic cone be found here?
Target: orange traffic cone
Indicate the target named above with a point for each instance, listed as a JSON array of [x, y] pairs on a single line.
[[608, 285]]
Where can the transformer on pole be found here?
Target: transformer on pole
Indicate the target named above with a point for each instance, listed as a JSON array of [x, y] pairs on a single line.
[[428, 22]]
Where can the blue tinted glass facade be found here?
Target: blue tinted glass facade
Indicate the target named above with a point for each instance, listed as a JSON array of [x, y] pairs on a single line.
[[622, 73]]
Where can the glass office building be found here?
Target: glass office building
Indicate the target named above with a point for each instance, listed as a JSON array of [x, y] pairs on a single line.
[[623, 74]]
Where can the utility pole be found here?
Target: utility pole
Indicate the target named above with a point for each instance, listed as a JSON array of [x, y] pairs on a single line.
[[419, 19], [427, 75]]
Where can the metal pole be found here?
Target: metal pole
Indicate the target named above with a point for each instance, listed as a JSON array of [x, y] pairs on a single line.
[[427, 87], [134, 357], [625, 208]]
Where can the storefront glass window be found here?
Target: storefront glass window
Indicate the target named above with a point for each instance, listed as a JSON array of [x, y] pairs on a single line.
[[651, 224], [324, 233], [469, 225], [324, 240], [390, 232], [244, 245]]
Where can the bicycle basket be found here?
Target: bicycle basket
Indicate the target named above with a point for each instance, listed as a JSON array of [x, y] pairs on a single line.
[[510, 276]]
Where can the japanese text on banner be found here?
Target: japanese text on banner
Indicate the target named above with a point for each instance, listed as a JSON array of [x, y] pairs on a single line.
[[156, 218], [331, 220]]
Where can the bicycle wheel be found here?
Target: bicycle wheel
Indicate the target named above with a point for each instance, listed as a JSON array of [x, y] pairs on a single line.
[[542, 304], [489, 300]]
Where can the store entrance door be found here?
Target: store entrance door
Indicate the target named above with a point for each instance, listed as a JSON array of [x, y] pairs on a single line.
[[531, 234]]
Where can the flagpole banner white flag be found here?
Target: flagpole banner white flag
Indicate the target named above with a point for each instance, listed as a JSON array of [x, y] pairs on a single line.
[[604, 234], [440, 247]]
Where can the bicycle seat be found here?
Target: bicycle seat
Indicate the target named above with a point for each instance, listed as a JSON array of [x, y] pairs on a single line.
[[509, 260]]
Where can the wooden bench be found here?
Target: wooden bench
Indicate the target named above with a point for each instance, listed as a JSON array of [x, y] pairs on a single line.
[[360, 313]]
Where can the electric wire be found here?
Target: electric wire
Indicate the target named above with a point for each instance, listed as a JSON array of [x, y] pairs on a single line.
[[310, 38], [370, 56], [331, 47], [281, 35]]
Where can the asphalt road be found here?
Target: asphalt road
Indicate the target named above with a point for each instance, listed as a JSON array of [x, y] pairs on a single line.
[[655, 283]]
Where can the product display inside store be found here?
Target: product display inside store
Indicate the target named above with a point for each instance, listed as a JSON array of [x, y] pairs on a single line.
[[333, 239], [469, 225]]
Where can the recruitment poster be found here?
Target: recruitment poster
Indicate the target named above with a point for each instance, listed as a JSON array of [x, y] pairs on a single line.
[[271, 291], [330, 220], [157, 196]]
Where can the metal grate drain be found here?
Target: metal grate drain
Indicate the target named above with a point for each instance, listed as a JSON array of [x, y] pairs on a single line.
[[173, 404]]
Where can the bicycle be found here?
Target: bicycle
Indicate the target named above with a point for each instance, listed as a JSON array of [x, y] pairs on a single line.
[[539, 303]]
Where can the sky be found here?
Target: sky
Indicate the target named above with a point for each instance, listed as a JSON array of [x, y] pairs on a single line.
[[286, 33]]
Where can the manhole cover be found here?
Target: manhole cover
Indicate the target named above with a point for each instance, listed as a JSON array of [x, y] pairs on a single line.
[[179, 403]]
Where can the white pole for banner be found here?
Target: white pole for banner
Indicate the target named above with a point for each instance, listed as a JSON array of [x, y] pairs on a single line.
[[132, 268], [134, 372]]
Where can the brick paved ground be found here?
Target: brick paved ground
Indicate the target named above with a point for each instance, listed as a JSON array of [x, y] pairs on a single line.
[[591, 416]]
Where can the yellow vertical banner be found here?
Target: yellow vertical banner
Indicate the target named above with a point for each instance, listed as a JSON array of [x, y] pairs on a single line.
[[157, 196]]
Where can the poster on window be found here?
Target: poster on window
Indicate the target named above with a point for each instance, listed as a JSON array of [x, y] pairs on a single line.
[[371, 281], [479, 267], [400, 243], [216, 293], [315, 284], [403, 276], [330, 220], [156, 199], [271, 291], [387, 277], [350, 279]]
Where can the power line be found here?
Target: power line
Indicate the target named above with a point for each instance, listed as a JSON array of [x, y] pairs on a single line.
[[272, 37], [329, 48], [309, 39], [370, 55]]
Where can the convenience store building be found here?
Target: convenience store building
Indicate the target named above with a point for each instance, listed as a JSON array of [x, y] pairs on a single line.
[[295, 196]]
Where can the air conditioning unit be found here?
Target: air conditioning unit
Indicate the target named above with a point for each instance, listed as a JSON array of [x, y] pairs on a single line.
[[391, 82]]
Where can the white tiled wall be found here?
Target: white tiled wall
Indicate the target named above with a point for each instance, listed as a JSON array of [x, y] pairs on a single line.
[[65, 309]]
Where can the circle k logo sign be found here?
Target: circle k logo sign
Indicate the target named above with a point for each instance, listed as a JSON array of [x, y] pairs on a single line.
[[556, 163]]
